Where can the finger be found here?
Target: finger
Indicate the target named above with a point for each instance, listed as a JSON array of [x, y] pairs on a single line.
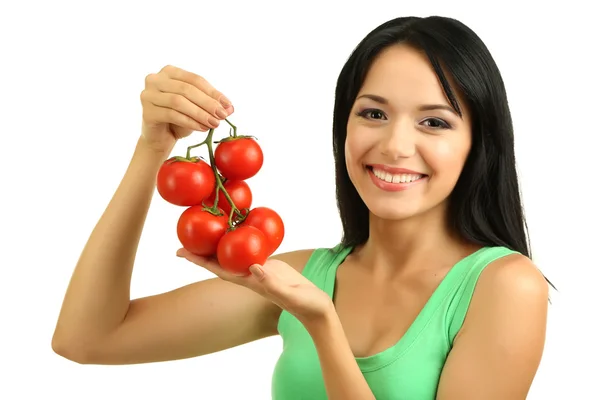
[[204, 262], [271, 281], [180, 132], [176, 118], [267, 281], [156, 114], [257, 272], [195, 96], [197, 81], [208, 264], [178, 103]]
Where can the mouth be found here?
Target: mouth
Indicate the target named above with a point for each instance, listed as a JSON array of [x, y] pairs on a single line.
[[394, 179]]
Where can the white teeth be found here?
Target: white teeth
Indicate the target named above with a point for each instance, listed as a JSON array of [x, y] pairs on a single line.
[[396, 178]]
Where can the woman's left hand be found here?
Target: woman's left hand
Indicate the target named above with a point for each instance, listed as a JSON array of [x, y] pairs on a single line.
[[278, 282]]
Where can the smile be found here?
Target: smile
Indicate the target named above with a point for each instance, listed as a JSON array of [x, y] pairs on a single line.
[[394, 181]]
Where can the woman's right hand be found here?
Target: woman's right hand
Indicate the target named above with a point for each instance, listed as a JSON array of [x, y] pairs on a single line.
[[175, 103]]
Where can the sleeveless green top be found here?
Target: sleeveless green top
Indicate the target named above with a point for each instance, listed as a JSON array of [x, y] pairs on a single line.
[[408, 370]]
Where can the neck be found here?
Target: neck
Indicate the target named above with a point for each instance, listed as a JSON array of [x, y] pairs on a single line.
[[401, 246]]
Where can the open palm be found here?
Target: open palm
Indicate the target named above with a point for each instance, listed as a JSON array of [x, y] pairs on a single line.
[[278, 282]]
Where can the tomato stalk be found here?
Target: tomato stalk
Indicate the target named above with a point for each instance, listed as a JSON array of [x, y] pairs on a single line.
[[208, 141], [234, 128], [189, 149], [188, 156]]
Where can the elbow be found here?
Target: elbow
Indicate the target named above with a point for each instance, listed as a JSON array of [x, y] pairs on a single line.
[[72, 350]]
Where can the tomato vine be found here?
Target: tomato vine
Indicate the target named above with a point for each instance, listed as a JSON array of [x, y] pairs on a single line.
[[219, 219], [220, 180]]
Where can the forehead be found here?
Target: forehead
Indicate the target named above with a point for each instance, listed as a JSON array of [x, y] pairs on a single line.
[[403, 75]]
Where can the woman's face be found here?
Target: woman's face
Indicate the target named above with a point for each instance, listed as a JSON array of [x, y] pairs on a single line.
[[405, 145]]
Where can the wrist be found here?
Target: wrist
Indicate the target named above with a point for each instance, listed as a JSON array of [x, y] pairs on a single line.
[[324, 323], [152, 150]]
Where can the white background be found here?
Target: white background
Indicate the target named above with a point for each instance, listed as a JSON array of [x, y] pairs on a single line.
[[71, 74]]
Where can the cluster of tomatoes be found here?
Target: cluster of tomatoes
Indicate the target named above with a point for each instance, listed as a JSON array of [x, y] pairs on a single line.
[[219, 221]]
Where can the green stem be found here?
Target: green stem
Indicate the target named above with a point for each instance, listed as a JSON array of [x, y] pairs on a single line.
[[233, 126], [219, 183], [214, 209], [189, 149]]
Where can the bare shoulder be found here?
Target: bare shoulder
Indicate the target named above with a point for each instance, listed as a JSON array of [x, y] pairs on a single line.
[[497, 352], [296, 259], [509, 289], [514, 276]]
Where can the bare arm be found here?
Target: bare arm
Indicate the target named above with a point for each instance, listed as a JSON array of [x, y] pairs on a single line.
[[498, 350], [198, 319], [98, 322], [495, 356], [341, 374], [97, 298]]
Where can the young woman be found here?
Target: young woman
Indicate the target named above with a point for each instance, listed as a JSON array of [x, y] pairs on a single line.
[[431, 292]]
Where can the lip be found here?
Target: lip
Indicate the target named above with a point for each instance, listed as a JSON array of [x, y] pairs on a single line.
[[394, 187], [394, 170]]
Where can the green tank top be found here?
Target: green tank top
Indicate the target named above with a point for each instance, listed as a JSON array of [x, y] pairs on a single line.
[[408, 370]]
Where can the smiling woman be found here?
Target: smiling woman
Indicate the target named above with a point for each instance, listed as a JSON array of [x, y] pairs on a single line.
[[403, 134], [430, 294]]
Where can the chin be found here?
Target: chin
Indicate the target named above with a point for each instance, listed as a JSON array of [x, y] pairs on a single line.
[[393, 210]]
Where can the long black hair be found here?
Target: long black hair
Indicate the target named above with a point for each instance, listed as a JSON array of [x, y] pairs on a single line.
[[485, 206]]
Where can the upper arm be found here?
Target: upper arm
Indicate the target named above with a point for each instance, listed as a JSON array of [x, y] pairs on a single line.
[[498, 350], [197, 319]]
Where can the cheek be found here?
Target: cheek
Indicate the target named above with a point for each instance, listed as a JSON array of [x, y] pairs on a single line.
[[355, 149], [350, 150], [447, 157]]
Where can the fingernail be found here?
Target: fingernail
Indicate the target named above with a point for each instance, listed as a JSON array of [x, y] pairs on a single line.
[[213, 122], [221, 113], [225, 101], [257, 271]]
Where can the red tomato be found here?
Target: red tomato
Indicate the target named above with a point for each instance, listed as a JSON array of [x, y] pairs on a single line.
[[239, 159], [199, 231], [269, 223], [241, 248], [240, 194], [185, 183]]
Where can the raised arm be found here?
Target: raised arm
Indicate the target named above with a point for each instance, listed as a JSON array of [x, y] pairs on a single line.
[[98, 322]]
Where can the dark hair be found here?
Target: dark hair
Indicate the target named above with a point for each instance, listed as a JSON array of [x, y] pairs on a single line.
[[485, 206]]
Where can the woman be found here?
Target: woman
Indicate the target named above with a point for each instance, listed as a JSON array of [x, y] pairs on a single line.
[[430, 294]]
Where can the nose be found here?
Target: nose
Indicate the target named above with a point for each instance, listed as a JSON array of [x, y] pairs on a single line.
[[399, 141]]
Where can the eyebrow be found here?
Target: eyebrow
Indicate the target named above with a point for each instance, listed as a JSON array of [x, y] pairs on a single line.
[[424, 107]]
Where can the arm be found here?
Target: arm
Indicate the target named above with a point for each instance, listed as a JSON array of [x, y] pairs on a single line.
[[343, 378], [495, 356], [97, 298], [99, 324], [498, 350], [281, 281]]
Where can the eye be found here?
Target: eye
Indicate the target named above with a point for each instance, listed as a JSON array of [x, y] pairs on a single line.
[[436, 123], [372, 113]]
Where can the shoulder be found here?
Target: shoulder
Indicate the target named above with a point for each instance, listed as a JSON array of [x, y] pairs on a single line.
[[510, 288], [499, 347], [514, 276]]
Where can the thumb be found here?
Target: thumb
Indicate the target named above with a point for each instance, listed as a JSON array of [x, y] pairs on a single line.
[[268, 280], [258, 272]]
